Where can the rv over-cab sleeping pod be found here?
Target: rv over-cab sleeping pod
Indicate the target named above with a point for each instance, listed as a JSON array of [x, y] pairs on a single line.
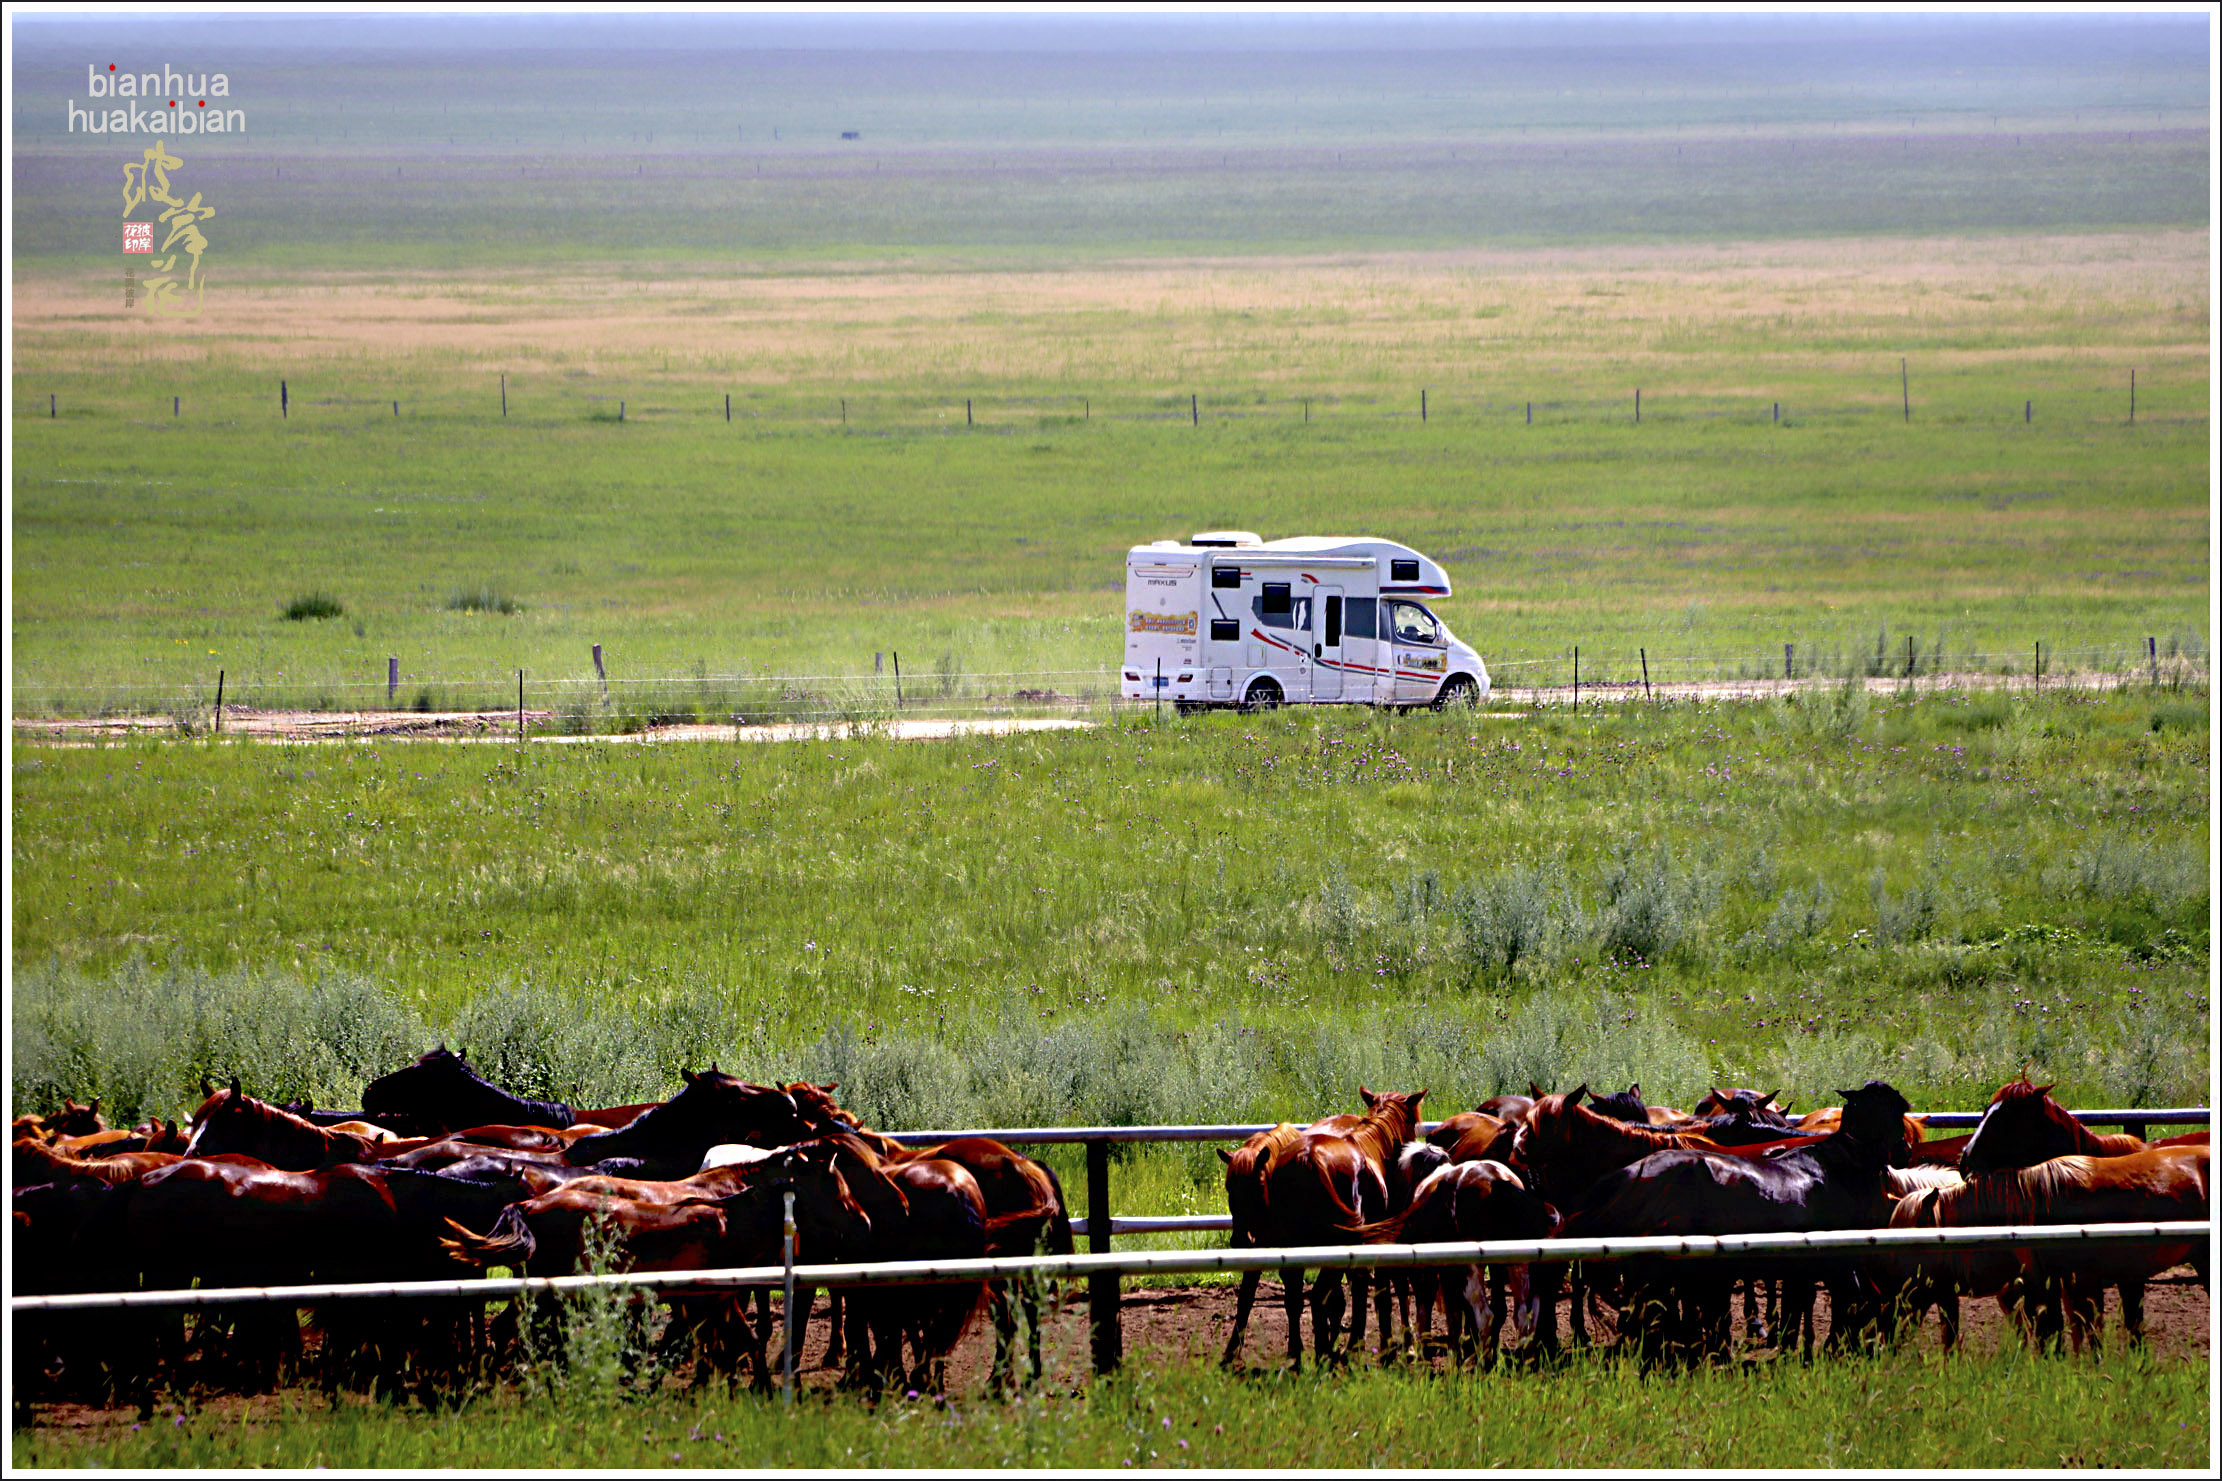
[[1229, 619]]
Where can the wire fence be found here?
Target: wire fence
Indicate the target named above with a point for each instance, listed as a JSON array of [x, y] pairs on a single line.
[[592, 703]]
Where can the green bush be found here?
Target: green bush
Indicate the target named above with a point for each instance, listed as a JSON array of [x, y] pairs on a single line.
[[314, 605]]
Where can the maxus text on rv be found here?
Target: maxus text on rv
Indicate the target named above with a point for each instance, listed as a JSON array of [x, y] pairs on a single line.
[[1229, 619]]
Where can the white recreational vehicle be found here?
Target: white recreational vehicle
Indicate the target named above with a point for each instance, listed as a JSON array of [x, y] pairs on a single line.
[[1230, 619]]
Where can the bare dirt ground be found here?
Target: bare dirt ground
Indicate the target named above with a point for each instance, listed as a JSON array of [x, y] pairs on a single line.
[[1508, 701], [1171, 1325]]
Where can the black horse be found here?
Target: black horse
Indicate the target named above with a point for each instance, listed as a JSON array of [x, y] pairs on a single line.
[[441, 1093], [1835, 1183], [711, 1108]]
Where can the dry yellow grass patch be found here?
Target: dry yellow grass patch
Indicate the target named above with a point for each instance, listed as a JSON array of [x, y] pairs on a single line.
[[1343, 319]]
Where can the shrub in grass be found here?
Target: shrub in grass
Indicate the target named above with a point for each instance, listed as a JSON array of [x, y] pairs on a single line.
[[313, 606], [483, 598]]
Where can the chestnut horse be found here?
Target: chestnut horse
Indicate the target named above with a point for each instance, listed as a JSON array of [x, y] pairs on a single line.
[[2067, 1286], [1472, 1201]]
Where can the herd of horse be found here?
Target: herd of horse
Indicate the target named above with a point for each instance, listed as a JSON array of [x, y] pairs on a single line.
[[1581, 1166], [443, 1172]]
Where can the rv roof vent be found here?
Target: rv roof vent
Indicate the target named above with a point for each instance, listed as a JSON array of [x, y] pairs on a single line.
[[1225, 538]]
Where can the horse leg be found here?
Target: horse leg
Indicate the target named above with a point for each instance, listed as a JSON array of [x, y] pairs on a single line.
[[836, 1350], [1577, 1288], [1243, 1296], [1292, 1302], [1327, 1315], [1360, 1280], [2133, 1312], [1485, 1304]]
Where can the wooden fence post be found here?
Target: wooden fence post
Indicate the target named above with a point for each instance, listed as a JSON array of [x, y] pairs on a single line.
[[1789, 651], [1193, 419], [393, 679], [219, 720], [600, 672], [1639, 406], [520, 706], [968, 411], [729, 406], [283, 413], [1909, 655], [2133, 397], [1577, 676], [1645, 660], [1905, 390], [1103, 1290], [173, 406], [898, 657], [1423, 405], [505, 395], [2152, 657]]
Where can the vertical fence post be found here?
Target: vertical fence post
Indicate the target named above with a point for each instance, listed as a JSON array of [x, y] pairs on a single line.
[[173, 406], [844, 411], [397, 411], [787, 1308], [2133, 398], [2152, 659], [968, 411], [1778, 413], [393, 678], [898, 657], [1103, 1290], [728, 407], [1157, 690], [219, 720], [2037, 666], [1905, 389], [600, 672], [1423, 405], [2028, 412], [1193, 419], [1307, 411], [1086, 411], [1909, 655], [283, 413], [520, 706], [50, 411], [1531, 413], [621, 409], [1645, 659], [1639, 406], [505, 395], [1789, 656], [1577, 676]]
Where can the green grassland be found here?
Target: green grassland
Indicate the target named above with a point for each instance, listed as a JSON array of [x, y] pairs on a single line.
[[1205, 919], [1911, 1411], [152, 550]]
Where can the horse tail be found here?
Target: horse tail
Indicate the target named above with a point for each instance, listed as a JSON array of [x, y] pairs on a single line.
[[1059, 1236], [510, 1242], [1384, 1231]]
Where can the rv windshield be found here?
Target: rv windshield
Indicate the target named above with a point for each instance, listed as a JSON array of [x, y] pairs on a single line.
[[1413, 623]]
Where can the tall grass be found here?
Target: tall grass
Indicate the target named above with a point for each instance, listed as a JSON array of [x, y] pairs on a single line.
[[1912, 1410]]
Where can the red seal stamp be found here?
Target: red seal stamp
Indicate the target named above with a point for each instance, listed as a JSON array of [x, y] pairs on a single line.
[[138, 236]]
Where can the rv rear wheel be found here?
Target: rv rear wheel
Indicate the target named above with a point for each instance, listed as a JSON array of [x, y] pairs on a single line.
[[1263, 694], [1459, 691]]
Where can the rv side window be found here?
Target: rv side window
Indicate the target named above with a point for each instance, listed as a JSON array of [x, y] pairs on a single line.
[[1226, 577], [1404, 570], [1332, 637], [1359, 617], [1225, 630], [1273, 599]]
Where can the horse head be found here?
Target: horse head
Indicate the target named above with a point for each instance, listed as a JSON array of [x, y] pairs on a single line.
[[1875, 1115], [2021, 1127]]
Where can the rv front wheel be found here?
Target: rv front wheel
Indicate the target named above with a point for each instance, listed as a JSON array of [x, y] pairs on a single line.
[[1459, 691], [1264, 694]]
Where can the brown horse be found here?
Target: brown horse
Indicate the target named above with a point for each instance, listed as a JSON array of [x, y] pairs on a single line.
[[1306, 1203], [2068, 1286], [1249, 1166], [2023, 1126], [233, 1121], [30, 1163], [1472, 1201]]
